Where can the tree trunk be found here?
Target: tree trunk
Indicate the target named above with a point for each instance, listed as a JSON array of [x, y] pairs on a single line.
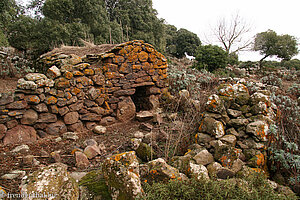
[[260, 61]]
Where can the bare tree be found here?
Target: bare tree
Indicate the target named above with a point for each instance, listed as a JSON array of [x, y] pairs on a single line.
[[232, 34]]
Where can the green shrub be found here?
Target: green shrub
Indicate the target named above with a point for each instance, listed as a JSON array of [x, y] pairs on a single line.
[[290, 64], [294, 90], [271, 79], [3, 40], [211, 57], [254, 187]]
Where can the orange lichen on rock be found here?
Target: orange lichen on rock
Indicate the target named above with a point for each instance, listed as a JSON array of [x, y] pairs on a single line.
[[260, 159], [143, 56]]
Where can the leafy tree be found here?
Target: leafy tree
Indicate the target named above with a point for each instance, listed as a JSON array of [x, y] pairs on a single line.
[[211, 57], [268, 43], [181, 42]]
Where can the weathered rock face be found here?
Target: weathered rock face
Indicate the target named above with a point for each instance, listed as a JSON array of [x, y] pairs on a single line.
[[121, 172], [234, 129], [20, 134], [53, 180], [104, 87]]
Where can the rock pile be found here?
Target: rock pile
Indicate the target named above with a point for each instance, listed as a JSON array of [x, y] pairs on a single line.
[[78, 93]]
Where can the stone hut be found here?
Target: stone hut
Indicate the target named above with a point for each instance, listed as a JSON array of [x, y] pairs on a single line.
[[83, 86]]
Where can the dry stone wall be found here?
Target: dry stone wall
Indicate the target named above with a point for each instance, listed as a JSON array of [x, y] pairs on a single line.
[[78, 92]]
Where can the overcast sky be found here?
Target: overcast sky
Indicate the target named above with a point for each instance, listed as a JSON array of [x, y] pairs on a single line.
[[199, 16]]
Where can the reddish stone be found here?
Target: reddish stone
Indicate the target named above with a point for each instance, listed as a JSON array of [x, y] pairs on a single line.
[[20, 134], [124, 92], [107, 121], [47, 118], [143, 56], [91, 151], [51, 100], [77, 127], [3, 130], [17, 105], [64, 110], [71, 118], [29, 117], [11, 124], [126, 110], [41, 107], [56, 128], [76, 106], [90, 117], [82, 161], [6, 99]]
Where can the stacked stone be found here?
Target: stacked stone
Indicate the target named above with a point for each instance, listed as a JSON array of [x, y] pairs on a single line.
[[80, 92], [233, 133]]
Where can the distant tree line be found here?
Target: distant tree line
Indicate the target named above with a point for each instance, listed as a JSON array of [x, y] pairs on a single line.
[[46, 24]]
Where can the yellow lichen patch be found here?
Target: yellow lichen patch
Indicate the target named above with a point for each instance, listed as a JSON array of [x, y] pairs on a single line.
[[77, 73], [152, 57], [118, 157], [81, 66], [89, 72], [118, 59], [32, 99], [107, 106], [201, 124], [110, 75], [145, 180], [51, 100], [196, 138], [75, 91], [173, 176], [122, 51], [261, 132], [68, 75], [68, 95], [143, 56], [108, 55], [188, 151], [136, 67], [260, 159], [63, 83], [132, 57]]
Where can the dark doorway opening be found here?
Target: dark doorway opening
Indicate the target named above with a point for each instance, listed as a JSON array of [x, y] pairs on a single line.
[[141, 99]]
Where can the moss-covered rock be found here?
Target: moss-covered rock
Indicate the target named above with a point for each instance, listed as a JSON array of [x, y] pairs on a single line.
[[93, 186], [53, 180], [145, 152], [121, 173]]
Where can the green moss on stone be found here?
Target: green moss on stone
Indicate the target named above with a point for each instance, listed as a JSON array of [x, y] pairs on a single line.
[[95, 183]]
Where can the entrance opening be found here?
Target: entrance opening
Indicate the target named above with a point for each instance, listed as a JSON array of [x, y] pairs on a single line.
[[141, 99]]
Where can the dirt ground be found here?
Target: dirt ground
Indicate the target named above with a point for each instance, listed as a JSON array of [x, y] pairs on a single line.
[[114, 140], [8, 84]]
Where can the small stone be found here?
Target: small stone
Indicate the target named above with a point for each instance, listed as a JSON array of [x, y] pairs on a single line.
[[28, 160], [199, 171], [99, 130], [146, 127], [204, 157], [237, 165], [231, 139], [213, 168], [53, 72], [56, 156], [41, 107], [3, 130], [138, 135], [91, 151], [70, 136], [234, 113], [13, 175], [81, 160], [20, 149], [90, 142], [225, 173], [144, 116], [58, 139]]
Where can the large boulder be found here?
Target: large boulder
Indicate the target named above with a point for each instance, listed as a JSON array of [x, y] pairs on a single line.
[[121, 173], [126, 110], [53, 180], [20, 134]]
